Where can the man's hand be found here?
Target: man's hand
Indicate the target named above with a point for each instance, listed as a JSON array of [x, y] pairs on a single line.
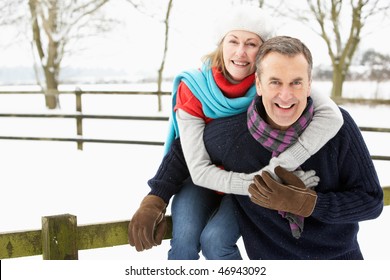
[[290, 196], [148, 225], [309, 178]]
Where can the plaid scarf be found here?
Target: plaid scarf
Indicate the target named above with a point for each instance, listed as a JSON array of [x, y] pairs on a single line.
[[277, 141]]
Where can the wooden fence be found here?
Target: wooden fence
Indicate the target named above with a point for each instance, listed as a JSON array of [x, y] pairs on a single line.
[[78, 116], [60, 237]]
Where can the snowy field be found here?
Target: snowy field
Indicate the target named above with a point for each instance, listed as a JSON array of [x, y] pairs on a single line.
[[105, 182]]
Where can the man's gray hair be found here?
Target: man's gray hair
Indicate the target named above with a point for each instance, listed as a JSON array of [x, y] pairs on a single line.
[[284, 45]]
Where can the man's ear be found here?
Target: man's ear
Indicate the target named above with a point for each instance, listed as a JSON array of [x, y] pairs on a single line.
[[309, 88], [258, 84]]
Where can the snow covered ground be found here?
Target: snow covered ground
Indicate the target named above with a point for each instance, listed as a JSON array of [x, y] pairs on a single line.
[[105, 182]]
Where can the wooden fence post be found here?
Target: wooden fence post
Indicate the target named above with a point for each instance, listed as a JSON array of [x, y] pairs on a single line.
[[79, 120], [59, 237]]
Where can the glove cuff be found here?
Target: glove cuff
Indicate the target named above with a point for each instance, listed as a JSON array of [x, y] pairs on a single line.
[[308, 206], [154, 201]]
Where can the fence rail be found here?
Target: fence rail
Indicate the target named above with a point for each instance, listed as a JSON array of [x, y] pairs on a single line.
[[79, 117], [60, 237]]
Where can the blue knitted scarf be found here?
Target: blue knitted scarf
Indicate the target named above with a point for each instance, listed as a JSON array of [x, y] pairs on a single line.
[[214, 103], [277, 141]]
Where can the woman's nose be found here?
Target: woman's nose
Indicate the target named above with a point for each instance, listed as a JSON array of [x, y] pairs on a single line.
[[241, 50]]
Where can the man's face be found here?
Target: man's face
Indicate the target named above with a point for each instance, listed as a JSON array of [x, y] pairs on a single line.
[[284, 85]]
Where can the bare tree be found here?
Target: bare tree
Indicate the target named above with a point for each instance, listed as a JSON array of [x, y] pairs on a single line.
[[148, 11], [329, 16], [161, 69], [54, 27], [54, 24]]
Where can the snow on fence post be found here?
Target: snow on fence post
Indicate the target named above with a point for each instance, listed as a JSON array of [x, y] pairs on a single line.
[[59, 237], [79, 119]]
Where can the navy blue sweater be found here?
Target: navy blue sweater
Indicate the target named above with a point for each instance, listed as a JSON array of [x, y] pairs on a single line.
[[349, 191]]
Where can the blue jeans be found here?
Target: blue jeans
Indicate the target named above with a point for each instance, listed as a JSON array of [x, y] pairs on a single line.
[[203, 220]]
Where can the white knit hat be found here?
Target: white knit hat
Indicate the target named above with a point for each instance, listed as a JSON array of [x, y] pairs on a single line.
[[246, 18]]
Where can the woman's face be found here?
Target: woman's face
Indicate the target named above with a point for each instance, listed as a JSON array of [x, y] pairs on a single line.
[[239, 53]]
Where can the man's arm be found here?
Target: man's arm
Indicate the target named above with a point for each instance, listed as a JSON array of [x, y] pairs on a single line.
[[356, 194], [171, 173]]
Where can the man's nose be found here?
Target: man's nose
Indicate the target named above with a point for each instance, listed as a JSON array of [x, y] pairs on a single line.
[[285, 93]]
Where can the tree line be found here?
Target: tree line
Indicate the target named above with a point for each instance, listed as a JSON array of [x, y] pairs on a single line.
[[56, 27]]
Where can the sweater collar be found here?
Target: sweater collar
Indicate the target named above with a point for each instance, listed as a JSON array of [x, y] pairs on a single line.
[[229, 89]]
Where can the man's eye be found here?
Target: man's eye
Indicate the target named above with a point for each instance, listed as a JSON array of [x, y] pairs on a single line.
[[297, 84]]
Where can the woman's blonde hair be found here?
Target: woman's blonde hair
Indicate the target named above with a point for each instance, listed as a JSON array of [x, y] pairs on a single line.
[[215, 59]]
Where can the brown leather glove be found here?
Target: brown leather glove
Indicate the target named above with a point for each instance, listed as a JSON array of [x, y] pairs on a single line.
[[148, 225], [290, 196]]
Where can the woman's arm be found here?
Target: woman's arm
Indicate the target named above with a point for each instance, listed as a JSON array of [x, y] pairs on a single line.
[[202, 171], [326, 122]]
